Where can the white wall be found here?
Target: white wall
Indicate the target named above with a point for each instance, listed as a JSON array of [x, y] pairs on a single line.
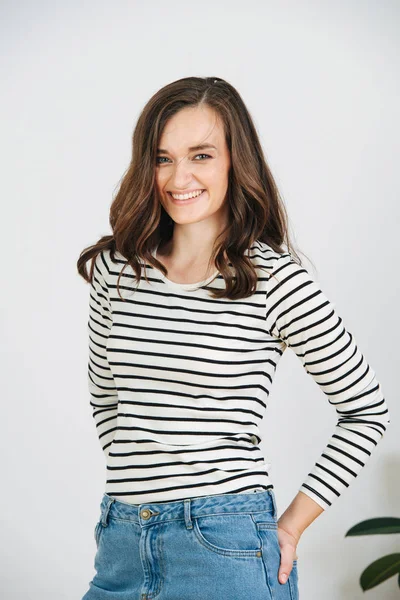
[[321, 81]]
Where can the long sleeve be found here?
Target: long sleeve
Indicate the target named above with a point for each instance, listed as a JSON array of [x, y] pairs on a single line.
[[103, 393], [301, 316]]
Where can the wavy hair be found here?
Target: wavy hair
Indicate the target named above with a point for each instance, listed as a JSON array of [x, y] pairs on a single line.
[[139, 222]]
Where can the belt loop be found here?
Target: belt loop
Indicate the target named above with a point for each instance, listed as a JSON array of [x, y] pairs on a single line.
[[104, 517], [188, 520], [272, 495]]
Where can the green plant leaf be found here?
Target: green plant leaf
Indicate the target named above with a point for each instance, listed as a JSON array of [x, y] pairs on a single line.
[[380, 570], [374, 526]]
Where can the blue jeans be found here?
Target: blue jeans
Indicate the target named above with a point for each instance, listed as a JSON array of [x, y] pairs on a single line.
[[221, 546]]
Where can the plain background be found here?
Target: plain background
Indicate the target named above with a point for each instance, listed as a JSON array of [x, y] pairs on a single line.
[[321, 80]]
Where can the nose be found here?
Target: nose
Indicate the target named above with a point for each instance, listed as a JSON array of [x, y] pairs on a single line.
[[182, 176]]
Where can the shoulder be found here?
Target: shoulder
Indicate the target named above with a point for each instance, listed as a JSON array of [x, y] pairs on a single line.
[[101, 263], [104, 266], [282, 269], [267, 258], [109, 266]]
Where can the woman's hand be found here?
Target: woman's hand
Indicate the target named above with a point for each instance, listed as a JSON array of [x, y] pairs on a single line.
[[288, 543]]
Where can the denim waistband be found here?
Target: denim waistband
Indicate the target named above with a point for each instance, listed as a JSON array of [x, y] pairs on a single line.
[[155, 512]]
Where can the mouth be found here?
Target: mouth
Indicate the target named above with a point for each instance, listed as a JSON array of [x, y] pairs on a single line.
[[189, 201]]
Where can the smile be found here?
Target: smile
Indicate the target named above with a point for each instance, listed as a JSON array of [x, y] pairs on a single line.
[[185, 200]]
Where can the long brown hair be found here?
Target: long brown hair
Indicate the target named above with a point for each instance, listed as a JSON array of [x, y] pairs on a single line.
[[138, 220]]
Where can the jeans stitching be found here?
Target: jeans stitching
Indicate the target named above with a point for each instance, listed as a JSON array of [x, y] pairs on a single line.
[[98, 530]]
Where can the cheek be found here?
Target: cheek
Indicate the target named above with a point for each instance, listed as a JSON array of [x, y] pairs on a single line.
[[218, 189], [218, 177], [161, 174], [158, 180]]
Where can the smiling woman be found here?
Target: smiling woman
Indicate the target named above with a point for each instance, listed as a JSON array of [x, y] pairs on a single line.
[[196, 133], [193, 187], [181, 367]]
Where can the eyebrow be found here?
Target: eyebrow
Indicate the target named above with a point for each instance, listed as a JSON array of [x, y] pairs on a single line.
[[191, 149]]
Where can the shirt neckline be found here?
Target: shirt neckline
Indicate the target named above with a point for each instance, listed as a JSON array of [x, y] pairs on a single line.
[[182, 286]]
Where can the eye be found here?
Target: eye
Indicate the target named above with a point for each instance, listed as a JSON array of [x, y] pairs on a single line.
[[208, 156]]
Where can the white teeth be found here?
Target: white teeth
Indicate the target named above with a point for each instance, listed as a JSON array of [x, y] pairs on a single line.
[[187, 196]]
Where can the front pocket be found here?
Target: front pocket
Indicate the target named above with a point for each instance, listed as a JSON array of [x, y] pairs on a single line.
[[228, 534]]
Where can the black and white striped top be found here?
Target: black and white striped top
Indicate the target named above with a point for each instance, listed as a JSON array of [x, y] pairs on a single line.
[[179, 381]]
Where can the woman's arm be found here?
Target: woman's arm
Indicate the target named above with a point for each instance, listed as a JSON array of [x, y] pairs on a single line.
[[299, 314], [103, 393]]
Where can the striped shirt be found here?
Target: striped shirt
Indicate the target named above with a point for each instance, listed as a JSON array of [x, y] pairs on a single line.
[[179, 381]]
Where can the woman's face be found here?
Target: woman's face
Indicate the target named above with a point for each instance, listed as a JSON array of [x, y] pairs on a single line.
[[180, 169]]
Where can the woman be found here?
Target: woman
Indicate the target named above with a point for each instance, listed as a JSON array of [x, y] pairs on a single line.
[[193, 302]]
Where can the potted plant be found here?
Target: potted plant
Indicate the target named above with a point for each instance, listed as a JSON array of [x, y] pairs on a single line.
[[386, 566]]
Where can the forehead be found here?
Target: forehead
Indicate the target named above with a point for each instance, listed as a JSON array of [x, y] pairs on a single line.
[[190, 127]]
